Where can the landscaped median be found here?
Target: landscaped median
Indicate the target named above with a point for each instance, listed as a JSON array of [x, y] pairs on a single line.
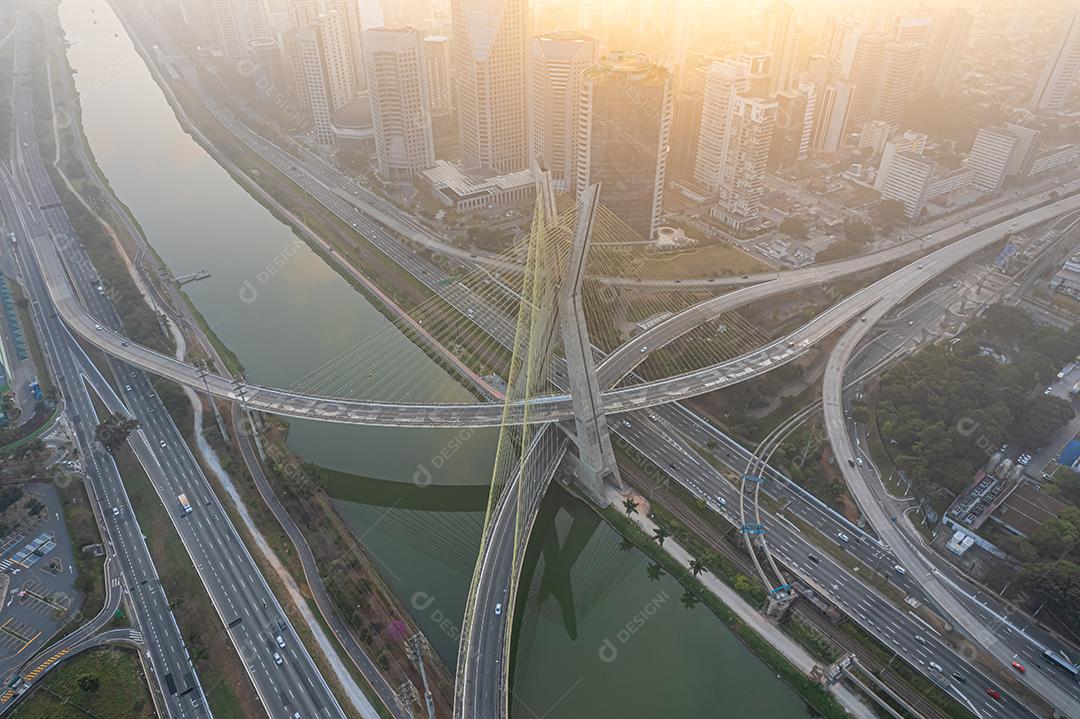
[[781, 653]]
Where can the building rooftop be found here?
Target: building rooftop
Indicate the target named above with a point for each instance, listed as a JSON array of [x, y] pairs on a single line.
[[457, 182], [1027, 508], [623, 65]]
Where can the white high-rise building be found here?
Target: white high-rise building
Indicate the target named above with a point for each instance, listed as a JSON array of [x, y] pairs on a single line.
[[908, 180], [1059, 75], [400, 101], [948, 46], [992, 156], [908, 142], [556, 63], [832, 116], [809, 91], [725, 80], [321, 68], [489, 39], [624, 128], [779, 36], [234, 23], [439, 61], [742, 175], [911, 29]]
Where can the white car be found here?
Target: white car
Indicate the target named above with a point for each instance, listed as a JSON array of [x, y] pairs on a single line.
[[843, 537], [280, 641], [116, 511], [498, 609], [277, 659], [643, 350], [162, 443], [900, 569]]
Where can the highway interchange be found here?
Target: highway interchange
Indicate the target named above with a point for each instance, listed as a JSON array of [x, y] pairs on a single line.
[[948, 256], [657, 439]]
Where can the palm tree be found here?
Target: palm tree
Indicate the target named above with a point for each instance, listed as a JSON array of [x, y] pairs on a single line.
[[654, 572], [660, 534], [696, 567], [630, 506], [689, 599], [625, 545]]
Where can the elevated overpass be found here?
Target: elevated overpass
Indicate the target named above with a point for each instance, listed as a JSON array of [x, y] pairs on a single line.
[[616, 366]]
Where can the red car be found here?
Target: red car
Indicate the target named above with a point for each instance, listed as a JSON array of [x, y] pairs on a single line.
[[1019, 667], [994, 694]]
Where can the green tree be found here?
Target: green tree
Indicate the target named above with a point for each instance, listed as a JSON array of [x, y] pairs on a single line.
[[696, 567], [89, 683], [858, 231], [660, 534], [889, 214], [113, 431], [630, 506]]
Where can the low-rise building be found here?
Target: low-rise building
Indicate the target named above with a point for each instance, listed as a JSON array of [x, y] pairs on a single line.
[[1067, 279], [469, 189]]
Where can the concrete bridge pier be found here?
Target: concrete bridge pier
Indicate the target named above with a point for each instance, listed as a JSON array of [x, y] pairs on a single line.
[[595, 457]]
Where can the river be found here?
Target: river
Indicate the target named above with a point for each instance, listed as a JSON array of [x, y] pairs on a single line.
[[601, 634]]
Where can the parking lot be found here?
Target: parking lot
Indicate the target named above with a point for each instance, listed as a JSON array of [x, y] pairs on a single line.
[[37, 565]]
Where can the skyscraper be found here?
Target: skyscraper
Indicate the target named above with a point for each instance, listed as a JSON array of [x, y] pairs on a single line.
[[439, 62], [556, 63], [624, 124], [778, 38], [489, 39], [321, 70], [742, 174], [1059, 75], [234, 23], [992, 156], [946, 49], [862, 63], [400, 100], [833, 113], [908, 181], [686, 122], [787, 135], [913, 29], [725, 80], [899, 66]]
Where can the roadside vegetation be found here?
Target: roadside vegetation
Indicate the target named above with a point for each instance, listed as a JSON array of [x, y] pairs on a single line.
[[106, 682], [943, 411]]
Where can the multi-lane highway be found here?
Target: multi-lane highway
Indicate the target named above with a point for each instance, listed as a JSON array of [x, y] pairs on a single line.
[[364, 225], [279, 666], [1059, 691], [177, 683]]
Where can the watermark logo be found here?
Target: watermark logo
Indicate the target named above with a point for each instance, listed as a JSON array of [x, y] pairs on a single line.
[[609, 648]]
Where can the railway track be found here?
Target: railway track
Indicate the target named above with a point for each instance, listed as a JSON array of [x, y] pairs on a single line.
[[809, 614]]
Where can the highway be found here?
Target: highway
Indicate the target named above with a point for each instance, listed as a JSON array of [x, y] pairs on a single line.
[[998, 232], [989, 635], [548, 408], [177, 684], [481, 686], [279, 666]]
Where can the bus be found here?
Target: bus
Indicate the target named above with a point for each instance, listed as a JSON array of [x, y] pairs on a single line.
[[184, 504], [1061, 663]]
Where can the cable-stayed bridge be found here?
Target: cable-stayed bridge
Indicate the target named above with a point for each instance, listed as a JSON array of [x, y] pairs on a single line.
[[548, 349]]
